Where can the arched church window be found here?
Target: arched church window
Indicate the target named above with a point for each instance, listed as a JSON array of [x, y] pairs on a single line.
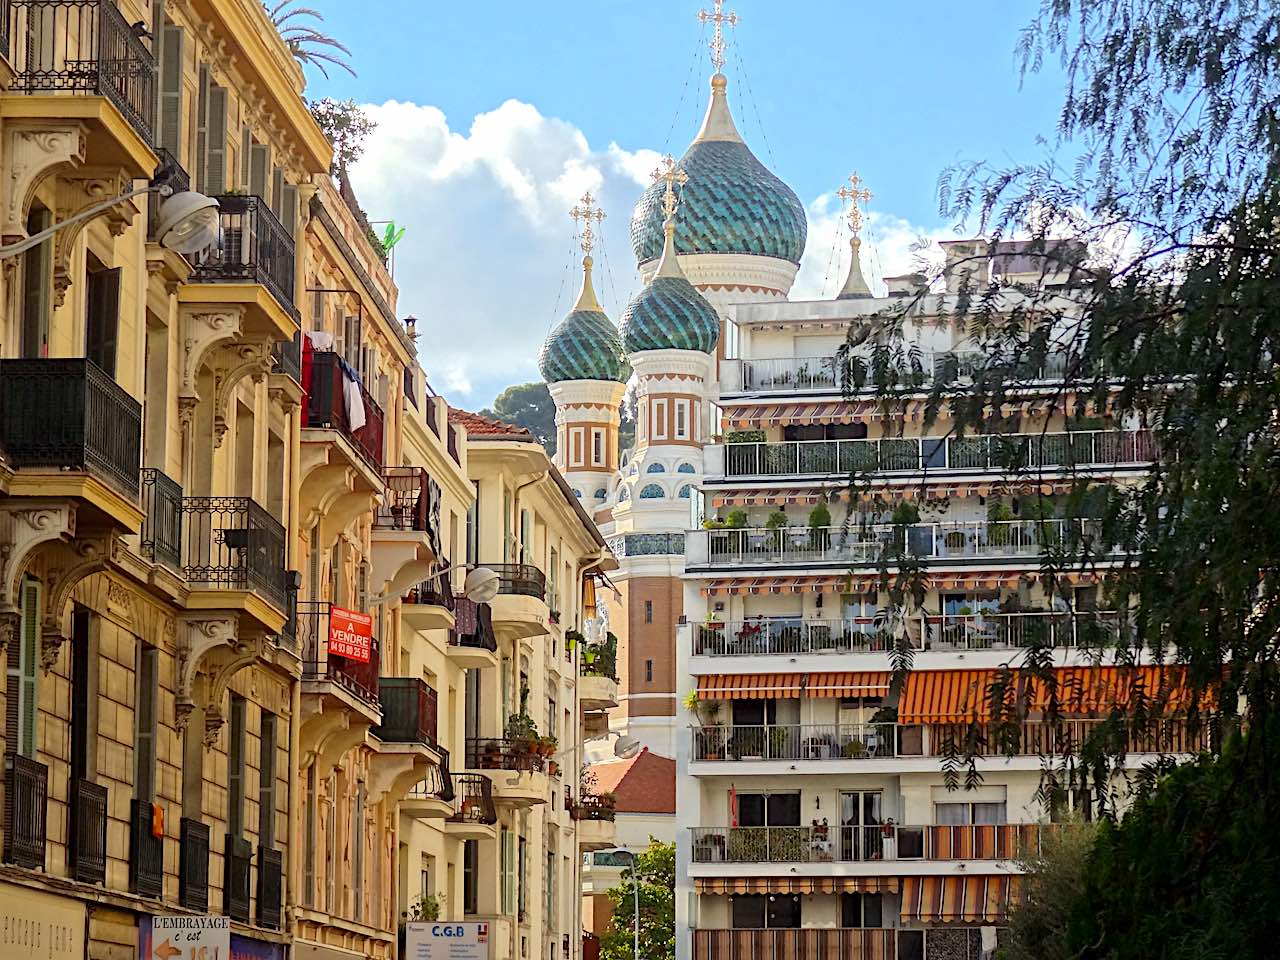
[[578, 494], [655, 468], [652, 492], [686, 468], [624, 495], [686, 491], [600, 494]]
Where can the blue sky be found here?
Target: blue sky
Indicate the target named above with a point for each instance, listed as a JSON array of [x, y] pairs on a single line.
[[506, 111]]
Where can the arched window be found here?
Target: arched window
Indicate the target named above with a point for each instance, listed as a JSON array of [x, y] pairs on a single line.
[[578, 494], [656, 468], [652, 492], [624, 495], [600, 494], [686, 468], [686, 491]]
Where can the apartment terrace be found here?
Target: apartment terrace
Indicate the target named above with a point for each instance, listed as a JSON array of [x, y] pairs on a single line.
[[1007, 453]]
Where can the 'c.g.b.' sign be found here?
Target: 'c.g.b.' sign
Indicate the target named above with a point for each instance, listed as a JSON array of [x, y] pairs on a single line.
[[350, 634], [446, 941]]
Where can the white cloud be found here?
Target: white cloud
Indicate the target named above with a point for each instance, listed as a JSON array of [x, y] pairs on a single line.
[[488, 263]]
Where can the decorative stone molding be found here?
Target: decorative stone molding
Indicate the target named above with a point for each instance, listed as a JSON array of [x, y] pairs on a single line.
[[393, 775], [35, 149], [75, 193], [202, 330], [720, 271], [8, 630], [64, 564], [25, 526], [247, 358], [210, 653]]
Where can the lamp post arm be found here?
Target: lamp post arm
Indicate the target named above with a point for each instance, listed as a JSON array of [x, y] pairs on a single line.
[[22, 246]]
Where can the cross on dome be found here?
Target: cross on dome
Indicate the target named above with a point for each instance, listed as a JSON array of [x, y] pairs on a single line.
[[857, 194], [717, 42], [670, 172], [587, 215]]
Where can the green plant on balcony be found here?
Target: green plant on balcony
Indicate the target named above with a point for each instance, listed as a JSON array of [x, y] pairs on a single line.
[[426, 908], [601, 659], [745, 436], [737, 519], [905, 514], [999, 514], [854, 750]]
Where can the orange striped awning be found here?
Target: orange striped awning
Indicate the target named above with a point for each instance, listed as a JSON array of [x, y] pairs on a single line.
[[739, 586], [760, 686], [750, 686], [866, 683], [961, 696], [728, 886], [958, 899]]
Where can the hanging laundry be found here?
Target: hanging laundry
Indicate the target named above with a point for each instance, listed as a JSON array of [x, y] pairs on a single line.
[[355, 401], [320, 340]]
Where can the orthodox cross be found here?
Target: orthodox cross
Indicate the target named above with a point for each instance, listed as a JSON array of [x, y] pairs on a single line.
[[719, 18], [587, 215], [673, 175], [857, 194]]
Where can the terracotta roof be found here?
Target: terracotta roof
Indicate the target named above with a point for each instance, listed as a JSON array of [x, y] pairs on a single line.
[[644, 784], [478, 426]]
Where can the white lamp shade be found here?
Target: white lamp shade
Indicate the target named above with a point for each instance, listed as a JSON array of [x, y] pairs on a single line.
[[481, 585], [625, 747], [188, 222]]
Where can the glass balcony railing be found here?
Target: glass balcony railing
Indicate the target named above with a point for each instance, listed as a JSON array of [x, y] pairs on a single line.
[[842, 843]]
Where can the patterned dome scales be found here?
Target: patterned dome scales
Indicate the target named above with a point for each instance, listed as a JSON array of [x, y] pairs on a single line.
[[585, 345], [669, 313], [732, 203]]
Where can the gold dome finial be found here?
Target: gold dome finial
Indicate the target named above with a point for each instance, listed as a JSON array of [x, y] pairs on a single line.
[[587, 215], [717, 42], [855, 285], [670, 172]]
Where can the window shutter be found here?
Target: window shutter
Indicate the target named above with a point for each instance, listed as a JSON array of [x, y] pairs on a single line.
[[172, 42], [235, 768], [267, 781], [259, 169], [23, 679], [145, 735], [289, 208], [277, 191], [200, 172], [216, 172], [103, 318], [246, 152]]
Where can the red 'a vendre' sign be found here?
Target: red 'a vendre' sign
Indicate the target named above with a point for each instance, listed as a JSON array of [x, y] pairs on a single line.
[[350, 634]]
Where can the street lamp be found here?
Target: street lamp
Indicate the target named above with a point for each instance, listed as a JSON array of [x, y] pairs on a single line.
[[481, 585], [188, 220], [624, 853]]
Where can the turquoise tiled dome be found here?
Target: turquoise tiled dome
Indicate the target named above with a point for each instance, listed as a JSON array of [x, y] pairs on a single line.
[[584, 346], [731, 203], [669, 314]]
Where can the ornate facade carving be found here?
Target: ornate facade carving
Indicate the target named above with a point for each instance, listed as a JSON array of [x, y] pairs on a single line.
[[210, 652], [24, 527], [35, 149], [76, 192]]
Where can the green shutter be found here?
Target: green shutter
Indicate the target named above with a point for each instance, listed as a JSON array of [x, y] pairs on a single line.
[[246, 151], [277, 191], [259, 169], [200, 173], [216, 164], [24, 676], [172, 40], [289, 208]]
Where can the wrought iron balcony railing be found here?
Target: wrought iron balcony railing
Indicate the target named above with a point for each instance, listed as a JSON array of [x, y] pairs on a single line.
[[146, 850], [520, 579], [473, 796], [70, 415], [435, 592], [193, 865], [162, 519], [270, 888], [357, 678], [84, 47], [327, 407], [87, 837], [412, 503], [409, 711], [233, 543], [237, 870], [26, 796], [288, 357], [501, 753], [592, 806], [1084, 449], [860, 843], [253, 247]]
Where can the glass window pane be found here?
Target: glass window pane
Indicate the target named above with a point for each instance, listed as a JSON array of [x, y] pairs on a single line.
[[748, 912], [784, 810], [784, 912], [989, 813], [951, 814], [872, 910]]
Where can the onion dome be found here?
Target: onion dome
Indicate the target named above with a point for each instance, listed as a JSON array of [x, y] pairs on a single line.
[[732, 203], [669, 313], [585, 345]]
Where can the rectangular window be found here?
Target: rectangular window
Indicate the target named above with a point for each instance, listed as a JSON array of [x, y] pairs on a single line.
[[102, 315], [147, 692], [331, 851], [267, 781], [522, 866], [553, 717], [507, 869], [858, 910], [549, 885], [309, 840], [235, 768], [473, 527], [956, 814], [682, 419], [757, 912], [648, 611], [575, 447], [553, 576], [23, 685], [358, 842], [641, 410], [648, 671], [470, 876], [84, 683], [659, 419], [597, 447]]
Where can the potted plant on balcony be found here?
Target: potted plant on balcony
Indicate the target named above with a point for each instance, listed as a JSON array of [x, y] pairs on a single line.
[[737, 519], [572, 638], [998, 516], [819, 521]]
